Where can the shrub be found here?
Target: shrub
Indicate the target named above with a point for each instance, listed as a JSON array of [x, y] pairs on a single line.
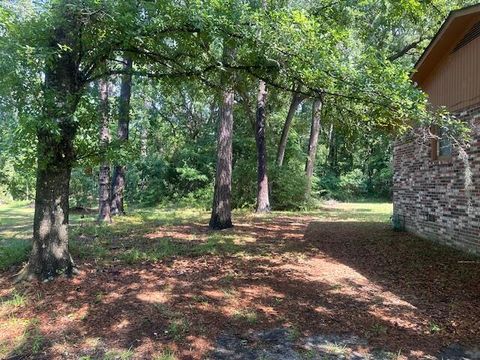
[[288, 186], [351, 185]]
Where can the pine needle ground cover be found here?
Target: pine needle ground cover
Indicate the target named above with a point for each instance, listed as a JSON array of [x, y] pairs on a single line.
[[158, 284]]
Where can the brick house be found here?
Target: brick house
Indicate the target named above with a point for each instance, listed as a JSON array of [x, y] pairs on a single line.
[[433, 193]]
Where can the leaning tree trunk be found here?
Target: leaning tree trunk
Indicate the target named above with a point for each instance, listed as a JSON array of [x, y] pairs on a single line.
[[104, 214], [312, 144], [263, 202], [221, 217], [118, 178], [296, 101], [56, 131]]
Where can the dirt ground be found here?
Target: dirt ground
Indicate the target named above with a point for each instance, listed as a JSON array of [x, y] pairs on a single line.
[[392, 291]]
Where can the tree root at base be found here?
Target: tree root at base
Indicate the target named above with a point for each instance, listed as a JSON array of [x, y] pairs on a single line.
[[27, 274]]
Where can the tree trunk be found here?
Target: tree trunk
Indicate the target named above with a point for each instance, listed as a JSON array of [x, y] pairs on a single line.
[[294, 104], [312, 144], [55, 156], [50, 256], [118, 179], [104, 174], [332, 150], [263, 202], [221, 217]]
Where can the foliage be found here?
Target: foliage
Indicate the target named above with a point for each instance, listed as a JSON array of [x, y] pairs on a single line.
[[323, 46]]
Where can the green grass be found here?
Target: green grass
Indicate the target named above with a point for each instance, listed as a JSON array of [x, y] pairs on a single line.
[[118, 355], [166, 354], [125, 239], [15, 300], [246, 315]]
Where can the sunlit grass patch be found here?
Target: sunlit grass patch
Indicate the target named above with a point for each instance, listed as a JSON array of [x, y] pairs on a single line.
[[19, 337], [166, 354], [15, 300], [15, 213], [12, 331], [216, 244], [133, 238], [347, 211], [15, 230], [335, 348], [246, 315], [117, 354], [368, 211], [13, 251]]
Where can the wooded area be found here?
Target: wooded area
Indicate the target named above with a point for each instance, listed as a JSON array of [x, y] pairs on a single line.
[[169, 71], [121, 108]]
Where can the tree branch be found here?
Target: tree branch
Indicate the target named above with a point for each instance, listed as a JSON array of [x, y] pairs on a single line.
[[405, 50]]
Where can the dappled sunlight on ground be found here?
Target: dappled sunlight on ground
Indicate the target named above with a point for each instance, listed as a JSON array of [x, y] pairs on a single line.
[[160, 285]]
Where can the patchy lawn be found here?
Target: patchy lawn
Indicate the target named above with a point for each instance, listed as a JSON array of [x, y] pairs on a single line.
[[331, 283]]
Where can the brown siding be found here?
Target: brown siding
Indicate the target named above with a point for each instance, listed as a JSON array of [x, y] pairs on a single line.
[[455, 83]]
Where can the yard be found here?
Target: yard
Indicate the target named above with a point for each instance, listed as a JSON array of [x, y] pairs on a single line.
[[332, 283]]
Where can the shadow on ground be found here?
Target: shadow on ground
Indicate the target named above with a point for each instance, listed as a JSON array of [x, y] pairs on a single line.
[[313, 280]]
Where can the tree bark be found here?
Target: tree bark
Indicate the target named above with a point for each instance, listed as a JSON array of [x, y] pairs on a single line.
[[294, 104], [312, 144], [221, 217], [332, 150], [118, 179], [50, 256], [104, 214], [263, 202], [55, 156]]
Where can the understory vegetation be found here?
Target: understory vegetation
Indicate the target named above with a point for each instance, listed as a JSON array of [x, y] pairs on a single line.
[[152, 284], [203, 174], [161, 125], [125, 241]]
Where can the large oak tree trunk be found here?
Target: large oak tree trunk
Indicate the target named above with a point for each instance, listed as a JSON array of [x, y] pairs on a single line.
[[50, 256], [104, 214], [118, 178], [221, 217], [263, 202], [294, 104], [55, 156], [312, 144]]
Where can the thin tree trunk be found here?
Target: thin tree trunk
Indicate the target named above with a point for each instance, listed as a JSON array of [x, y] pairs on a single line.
[[312, 144], [55, 156], [294, 104], [263, 202], [332, 150], [104, 174], [118, 179]]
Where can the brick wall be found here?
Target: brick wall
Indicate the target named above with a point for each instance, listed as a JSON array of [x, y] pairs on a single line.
[[432, 194]]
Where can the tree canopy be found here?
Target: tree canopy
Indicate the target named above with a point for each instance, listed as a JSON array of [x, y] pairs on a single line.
[[351, 59]]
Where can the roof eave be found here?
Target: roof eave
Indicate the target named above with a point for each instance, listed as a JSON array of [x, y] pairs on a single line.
[[455, 14]]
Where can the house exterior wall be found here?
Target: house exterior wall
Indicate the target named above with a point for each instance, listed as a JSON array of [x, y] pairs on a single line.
[[455, 82], [432, 195]]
